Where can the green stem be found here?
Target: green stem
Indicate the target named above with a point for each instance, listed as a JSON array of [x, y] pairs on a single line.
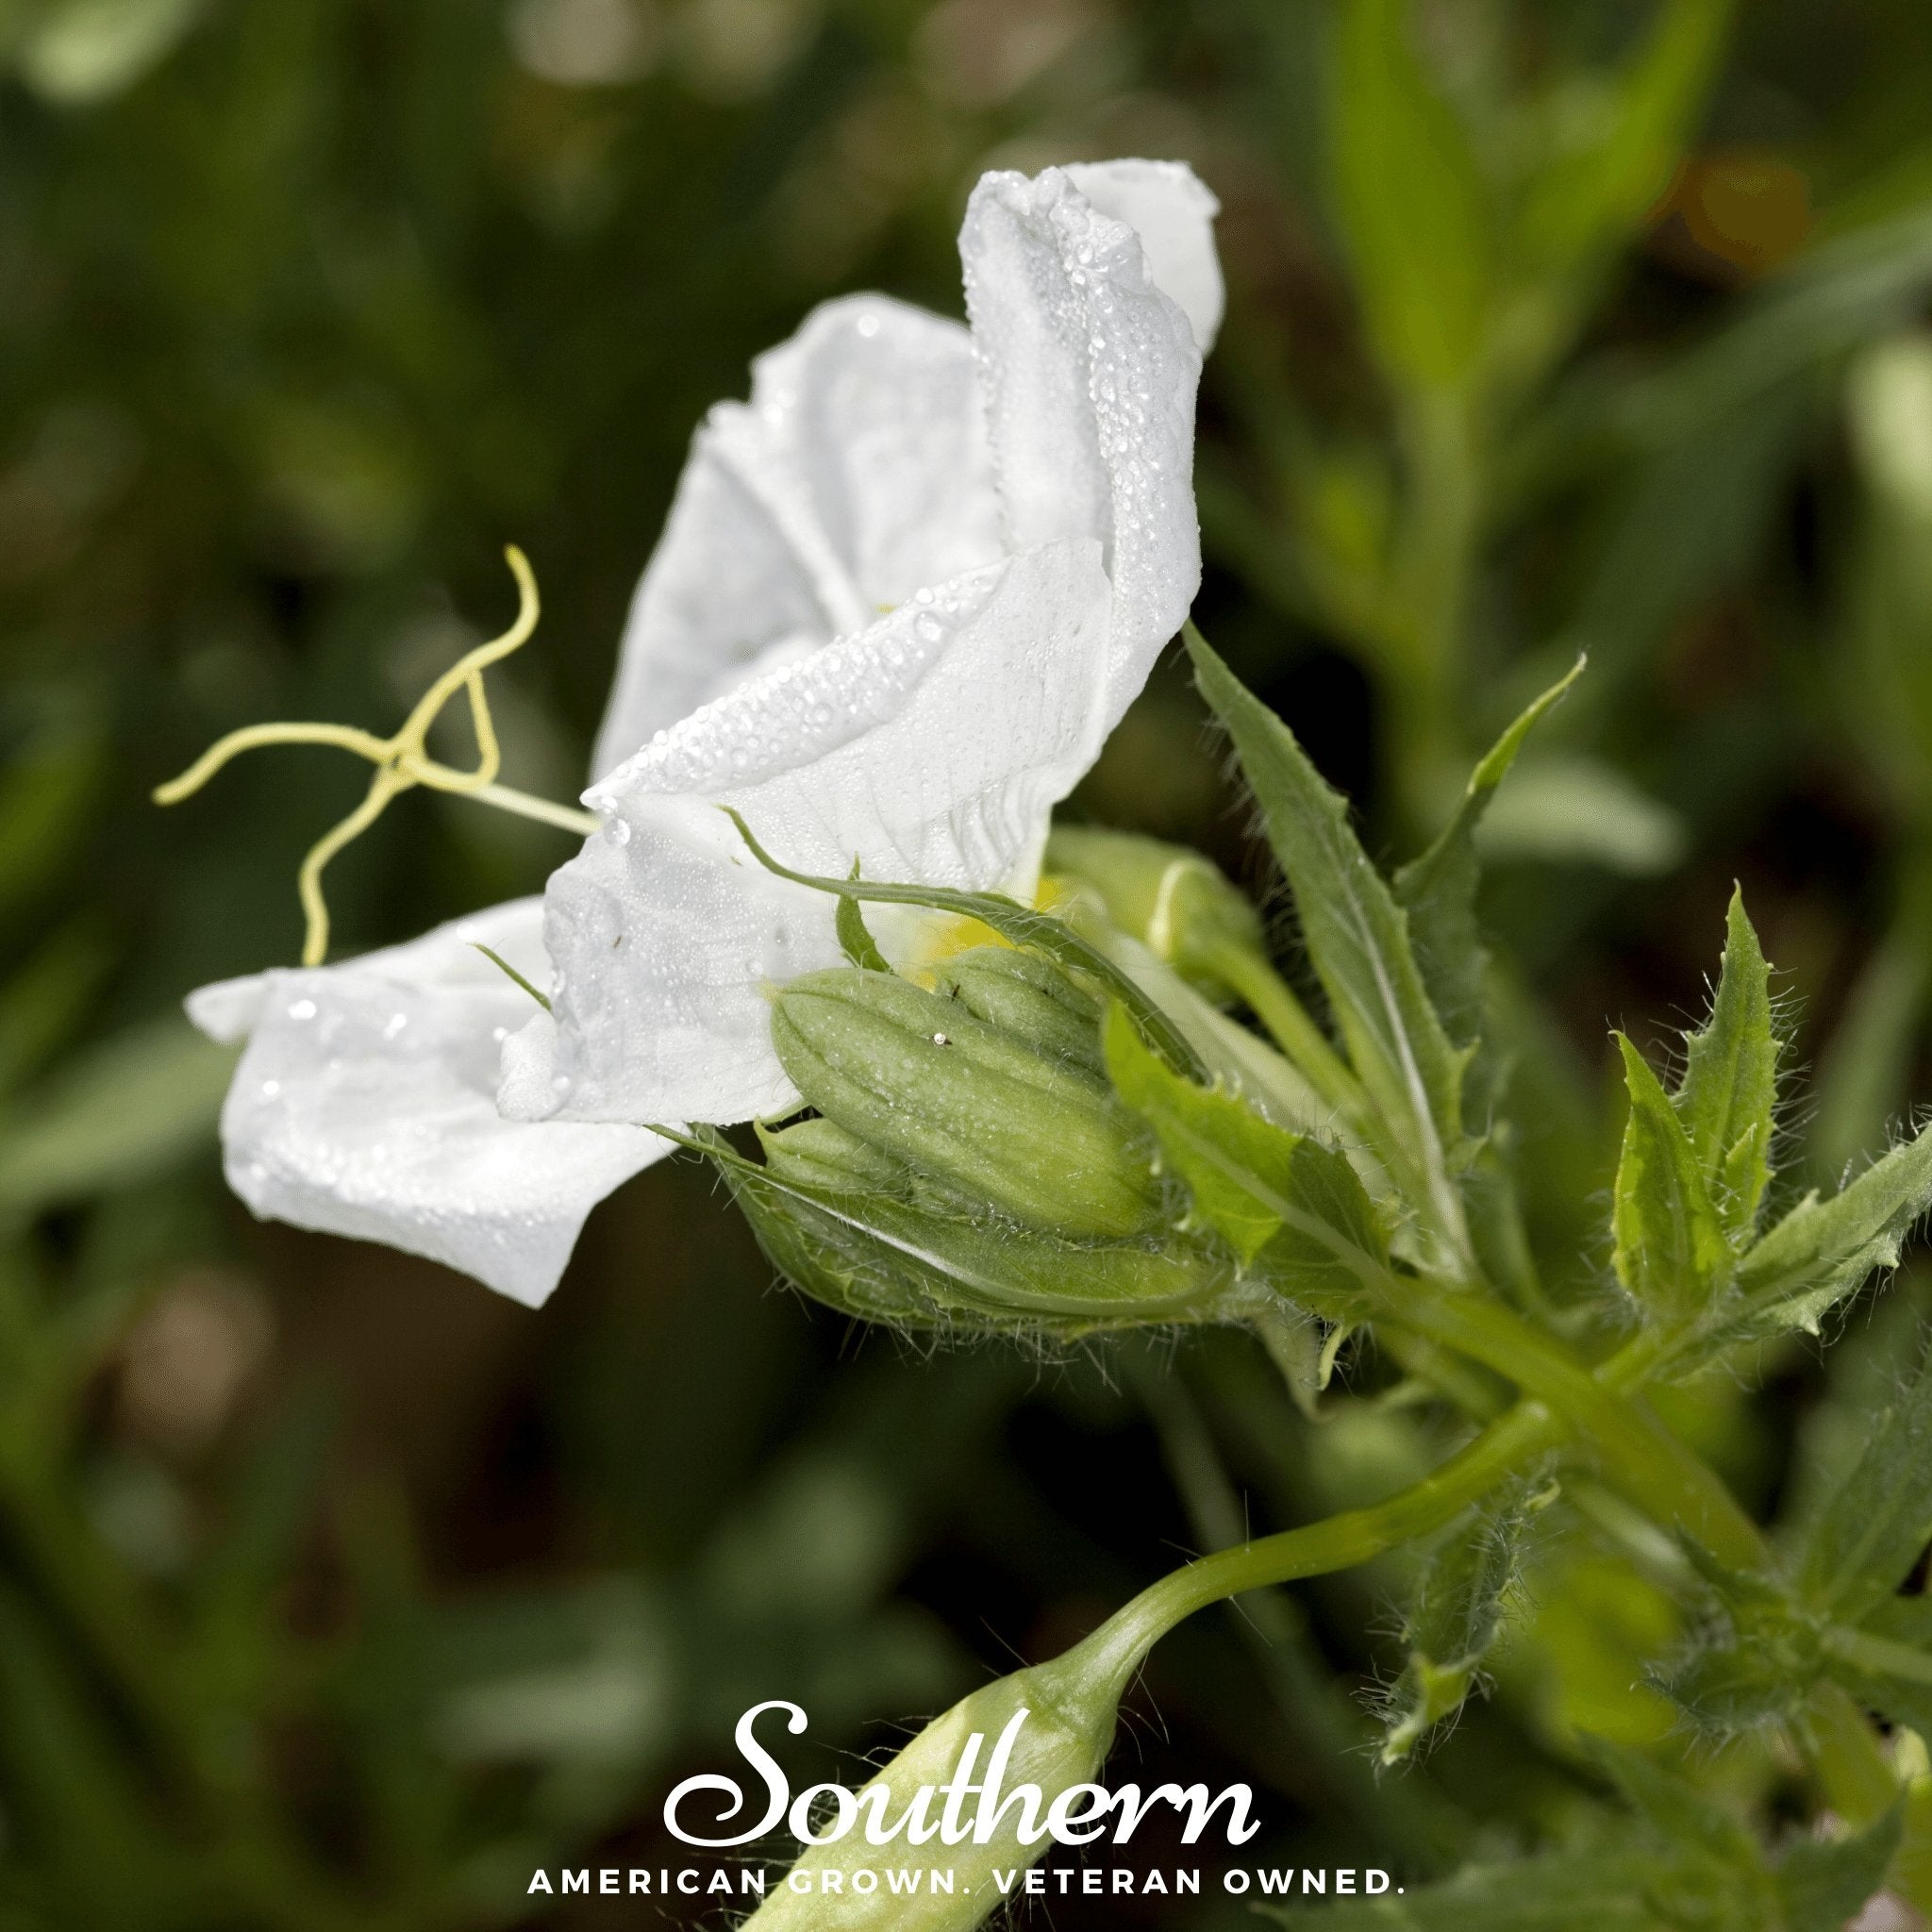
[[1340, 1542], [1272, 1002], [1641, 1457], [1561, 1398]]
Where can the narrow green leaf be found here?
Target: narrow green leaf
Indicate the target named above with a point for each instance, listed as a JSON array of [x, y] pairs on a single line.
[[1823, 1251], [1822, 1882], [1730, 1081], [1591, 198], [1670, 1247], [1455, 1616], [1283, 1201], [1359, 939], [1409, 199], [1437, 890], [1865, 1542]]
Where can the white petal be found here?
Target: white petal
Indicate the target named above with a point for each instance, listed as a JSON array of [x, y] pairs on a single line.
[[365, 1106], [931, 747], [1090, 373], [858, 472], [1173, 212]]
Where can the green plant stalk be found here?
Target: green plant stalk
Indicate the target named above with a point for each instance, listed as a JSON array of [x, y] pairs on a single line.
[[1561, 1399]]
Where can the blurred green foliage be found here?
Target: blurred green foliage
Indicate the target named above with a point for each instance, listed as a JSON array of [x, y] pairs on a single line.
[[333, 1593]]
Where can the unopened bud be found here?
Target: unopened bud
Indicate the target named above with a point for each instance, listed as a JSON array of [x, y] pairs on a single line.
[[1008, 1112], [871, 1237], [981, 1790], [1179, 905]]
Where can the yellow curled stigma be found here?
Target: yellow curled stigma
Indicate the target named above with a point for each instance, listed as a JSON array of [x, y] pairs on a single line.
[[402, 761]]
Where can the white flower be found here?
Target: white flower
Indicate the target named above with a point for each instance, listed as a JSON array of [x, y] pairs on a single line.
[[365, 1106], [1015, 499]]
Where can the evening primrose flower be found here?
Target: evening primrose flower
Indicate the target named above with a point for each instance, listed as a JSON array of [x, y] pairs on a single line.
[[904, 595]]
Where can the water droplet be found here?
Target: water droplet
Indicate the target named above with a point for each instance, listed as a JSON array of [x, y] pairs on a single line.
[[618, 831], [302, 1010]]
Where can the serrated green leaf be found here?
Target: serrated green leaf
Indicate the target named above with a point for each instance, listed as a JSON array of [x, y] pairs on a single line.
[[1283, 1201], [1670, 1249], [1823, 1251], [1730, 1080], [1455, 1616], [1359, 940], [1409, 199], [1822, 1884], [1864, 1543]]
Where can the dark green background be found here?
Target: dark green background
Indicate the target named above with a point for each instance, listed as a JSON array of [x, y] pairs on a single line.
[[335, 1591]]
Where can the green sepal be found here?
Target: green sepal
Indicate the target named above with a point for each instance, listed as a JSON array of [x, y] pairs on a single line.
[[1290, 1208], [1455, 1616], [1669, 1253], [1730, 1081], [913, 1262], [1358, 941]]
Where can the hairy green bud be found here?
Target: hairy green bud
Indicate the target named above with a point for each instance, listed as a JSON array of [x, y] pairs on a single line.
[[1181, 907], [1007, 1120], [971, 1795], [905, 1253]]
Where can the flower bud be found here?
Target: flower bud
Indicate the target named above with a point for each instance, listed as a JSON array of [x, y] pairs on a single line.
[[1179, 905], [909, 1254], [1006, 1111], [969, 1795]]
